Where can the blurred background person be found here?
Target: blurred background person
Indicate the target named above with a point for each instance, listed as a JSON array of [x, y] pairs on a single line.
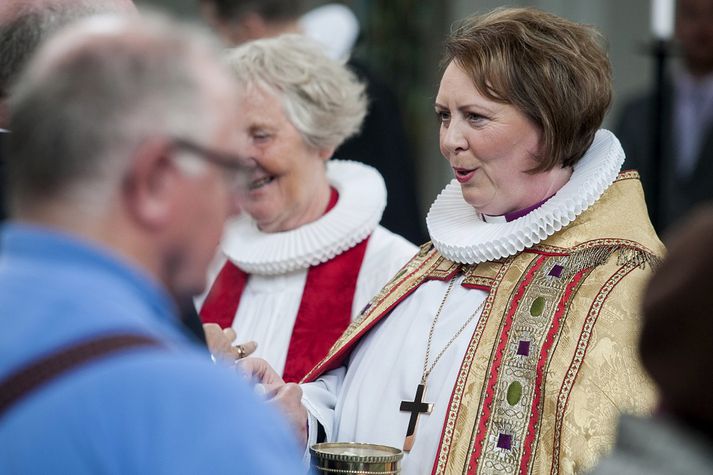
[[508, 344], [118, 199], [382, 141], [308, 252], [686, 169], [675, 347]]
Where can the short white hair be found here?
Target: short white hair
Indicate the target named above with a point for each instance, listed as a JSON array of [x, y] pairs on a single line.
[[323, 99]]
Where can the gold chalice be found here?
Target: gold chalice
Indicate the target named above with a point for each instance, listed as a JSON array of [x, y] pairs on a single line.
[[342, 458]]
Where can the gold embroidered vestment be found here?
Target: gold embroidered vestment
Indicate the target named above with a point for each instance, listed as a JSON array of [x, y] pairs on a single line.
[[553, 360]]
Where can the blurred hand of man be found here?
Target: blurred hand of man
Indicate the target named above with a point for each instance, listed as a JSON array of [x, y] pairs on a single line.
[[286, 396]]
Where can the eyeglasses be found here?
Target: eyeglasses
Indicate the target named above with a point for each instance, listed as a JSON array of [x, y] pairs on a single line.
[[236, 170]]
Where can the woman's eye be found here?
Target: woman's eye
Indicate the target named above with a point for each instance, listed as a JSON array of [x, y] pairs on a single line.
[[443, 117], [261, 136], [474, 118]]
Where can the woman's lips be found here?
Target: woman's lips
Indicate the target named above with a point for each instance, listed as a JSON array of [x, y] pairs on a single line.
[[463, 175]]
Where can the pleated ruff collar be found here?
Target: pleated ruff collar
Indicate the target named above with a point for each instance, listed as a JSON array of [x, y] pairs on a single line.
[[362, 199], [460, 234]]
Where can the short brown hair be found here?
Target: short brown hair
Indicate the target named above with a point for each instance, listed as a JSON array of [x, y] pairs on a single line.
[[553, 70]]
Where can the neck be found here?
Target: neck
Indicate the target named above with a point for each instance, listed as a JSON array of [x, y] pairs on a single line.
[[110, 232], [314, 208], [552, 182], [558, 178]]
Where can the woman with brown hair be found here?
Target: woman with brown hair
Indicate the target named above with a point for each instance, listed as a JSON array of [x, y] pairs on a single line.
[[507, 344]]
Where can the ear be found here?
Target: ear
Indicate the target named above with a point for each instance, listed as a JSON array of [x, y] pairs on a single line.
[[151, 184], [326, 153]]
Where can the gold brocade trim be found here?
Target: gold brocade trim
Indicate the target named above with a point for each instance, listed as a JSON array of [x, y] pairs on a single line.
[[596, 252], [457, 395], [581, 349], [474, 274], [628, 175], [476, 281], [515, 419], [510, 415], [427, 262]]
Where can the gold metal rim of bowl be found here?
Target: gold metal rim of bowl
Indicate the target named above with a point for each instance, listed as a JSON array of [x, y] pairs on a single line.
[[396, 455]]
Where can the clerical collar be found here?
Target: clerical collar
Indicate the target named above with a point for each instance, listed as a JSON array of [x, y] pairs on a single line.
[[460, 234], [362, 199], [507, 217]]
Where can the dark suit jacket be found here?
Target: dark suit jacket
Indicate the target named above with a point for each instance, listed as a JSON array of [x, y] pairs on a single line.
[[678, 194]]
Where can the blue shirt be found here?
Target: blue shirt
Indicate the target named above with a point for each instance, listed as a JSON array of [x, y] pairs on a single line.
[[149, 410]]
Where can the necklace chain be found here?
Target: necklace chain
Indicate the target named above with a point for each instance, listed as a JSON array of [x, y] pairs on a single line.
[[426, 369]]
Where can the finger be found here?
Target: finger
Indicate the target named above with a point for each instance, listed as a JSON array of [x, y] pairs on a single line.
[[217, 343], [211, 330], [248, 348], [259, 370], [230, 334]]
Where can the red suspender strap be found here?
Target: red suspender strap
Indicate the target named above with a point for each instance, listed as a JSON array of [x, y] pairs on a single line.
[[37, 374], [222, 301], [325, 310]]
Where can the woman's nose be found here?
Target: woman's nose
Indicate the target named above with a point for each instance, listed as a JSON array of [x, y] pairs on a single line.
[[453, 140]]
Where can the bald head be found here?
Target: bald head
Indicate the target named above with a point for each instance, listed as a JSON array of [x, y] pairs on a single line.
[[24, 24], [123, 132], [112, 82]]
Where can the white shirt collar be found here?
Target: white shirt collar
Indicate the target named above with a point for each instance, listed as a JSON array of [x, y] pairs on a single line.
[[459, 233], [362, 199]]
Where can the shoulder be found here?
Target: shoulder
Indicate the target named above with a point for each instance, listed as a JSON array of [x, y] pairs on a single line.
[[197, 417], [386, 253], [385, 243]]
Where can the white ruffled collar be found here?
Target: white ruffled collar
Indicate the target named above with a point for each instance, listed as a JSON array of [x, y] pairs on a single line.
[[362, 199], [459, 233]]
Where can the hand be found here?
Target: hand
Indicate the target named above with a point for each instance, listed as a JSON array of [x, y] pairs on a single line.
[[286, 396], [220, 343]]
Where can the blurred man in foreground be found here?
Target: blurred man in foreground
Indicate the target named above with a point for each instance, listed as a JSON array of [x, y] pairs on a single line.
[[118, 196], [24, 25]]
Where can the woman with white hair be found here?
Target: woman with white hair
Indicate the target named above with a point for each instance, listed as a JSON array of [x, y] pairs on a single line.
[[307, 253]]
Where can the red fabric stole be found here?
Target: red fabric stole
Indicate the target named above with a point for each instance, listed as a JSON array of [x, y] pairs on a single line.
[[324, 313]]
